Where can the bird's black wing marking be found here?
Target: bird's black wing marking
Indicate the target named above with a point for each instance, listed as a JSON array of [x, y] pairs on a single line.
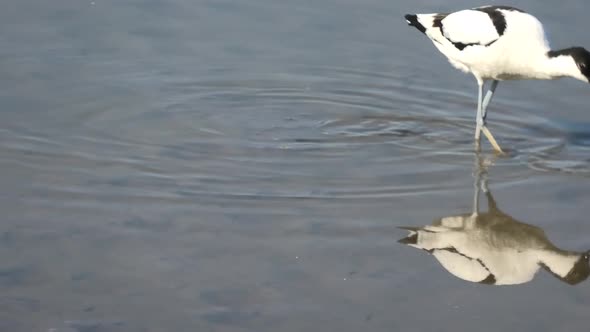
[[455, 251], [437, 23], [489, 280], [461, 46], [505, 8], [462, 32], [497, 18]]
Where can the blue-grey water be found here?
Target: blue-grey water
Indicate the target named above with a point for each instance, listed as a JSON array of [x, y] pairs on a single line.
[[190, 165]]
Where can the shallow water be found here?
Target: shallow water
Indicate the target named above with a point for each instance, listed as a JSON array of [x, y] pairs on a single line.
[[224, 166]]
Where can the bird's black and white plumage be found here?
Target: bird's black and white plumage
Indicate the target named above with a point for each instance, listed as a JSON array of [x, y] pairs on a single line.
[[493, 248], [497, 43]]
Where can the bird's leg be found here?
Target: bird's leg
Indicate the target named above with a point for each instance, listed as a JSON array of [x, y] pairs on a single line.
[[481, 115], [488, 98]]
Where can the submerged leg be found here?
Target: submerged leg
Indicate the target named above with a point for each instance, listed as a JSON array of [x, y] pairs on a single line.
[[492, 140]]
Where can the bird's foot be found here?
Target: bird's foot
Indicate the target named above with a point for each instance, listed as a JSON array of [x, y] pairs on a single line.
[[492, 140]]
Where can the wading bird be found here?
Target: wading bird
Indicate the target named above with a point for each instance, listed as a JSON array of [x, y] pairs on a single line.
[[496, 43]]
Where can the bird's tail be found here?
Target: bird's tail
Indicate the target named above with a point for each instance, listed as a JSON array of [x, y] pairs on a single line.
[[412, 20], [412, 237]]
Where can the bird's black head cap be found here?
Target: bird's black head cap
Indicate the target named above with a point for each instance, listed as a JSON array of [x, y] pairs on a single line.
[[580, 271], [580, 55]]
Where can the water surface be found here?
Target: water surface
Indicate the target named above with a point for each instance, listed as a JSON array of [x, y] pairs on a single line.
[[245, 166]]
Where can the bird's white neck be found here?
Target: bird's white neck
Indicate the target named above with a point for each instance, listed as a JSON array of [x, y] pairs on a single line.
[[559, 262], [558, 67]]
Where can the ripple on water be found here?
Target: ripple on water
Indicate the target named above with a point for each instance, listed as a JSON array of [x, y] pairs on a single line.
[[320, 133], [570, 157]]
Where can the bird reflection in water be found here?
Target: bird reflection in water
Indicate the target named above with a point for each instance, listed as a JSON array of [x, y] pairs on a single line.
[[492, 247]]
